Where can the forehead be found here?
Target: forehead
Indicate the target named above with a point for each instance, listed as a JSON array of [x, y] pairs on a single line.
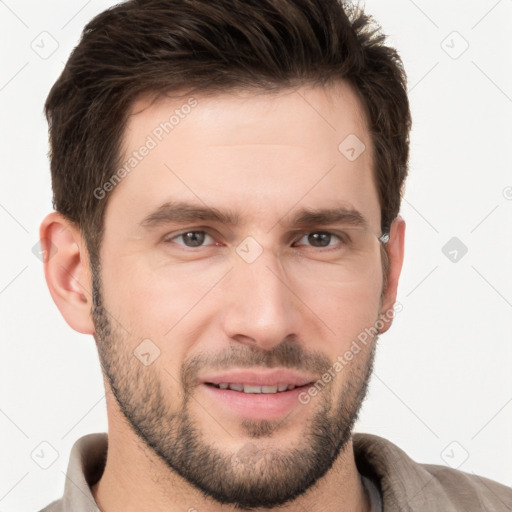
[[307, 113], [258, 153]]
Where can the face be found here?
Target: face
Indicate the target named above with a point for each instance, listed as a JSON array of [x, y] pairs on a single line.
[[216, 320]]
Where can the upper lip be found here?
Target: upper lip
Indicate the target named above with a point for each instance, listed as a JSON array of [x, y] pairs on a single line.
[[273, 377]]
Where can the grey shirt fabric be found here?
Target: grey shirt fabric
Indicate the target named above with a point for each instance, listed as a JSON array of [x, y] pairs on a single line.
[[402, 484], [373, 493]]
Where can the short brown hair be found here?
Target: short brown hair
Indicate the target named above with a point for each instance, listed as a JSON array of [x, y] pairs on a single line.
[[204, 46]]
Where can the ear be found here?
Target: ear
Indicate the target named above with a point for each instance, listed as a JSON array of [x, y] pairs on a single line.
[[67, 271], [395, 250]]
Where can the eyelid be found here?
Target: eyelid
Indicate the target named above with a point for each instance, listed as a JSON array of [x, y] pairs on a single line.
[[171, 236], [224, 232], [303, 233]]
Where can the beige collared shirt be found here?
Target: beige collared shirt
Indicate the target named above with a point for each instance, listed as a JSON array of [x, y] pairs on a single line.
[[402, 484]]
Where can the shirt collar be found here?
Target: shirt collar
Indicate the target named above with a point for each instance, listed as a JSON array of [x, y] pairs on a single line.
[[86, 464]]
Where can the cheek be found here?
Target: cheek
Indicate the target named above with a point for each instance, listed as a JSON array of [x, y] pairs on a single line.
[[155, 300], [347, 310], [149, 311]]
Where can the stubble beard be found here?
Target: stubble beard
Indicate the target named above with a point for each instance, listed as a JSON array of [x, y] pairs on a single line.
[[252, 476]]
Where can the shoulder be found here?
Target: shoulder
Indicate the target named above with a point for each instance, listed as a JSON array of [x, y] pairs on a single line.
[[86, 464], [55, 506], [469, 489], [407, 485]]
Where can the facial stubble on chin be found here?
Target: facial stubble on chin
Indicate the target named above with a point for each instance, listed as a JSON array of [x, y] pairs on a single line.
[[252, 477]]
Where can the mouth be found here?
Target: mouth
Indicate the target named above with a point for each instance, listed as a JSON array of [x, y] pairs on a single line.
[[250, 389], [257, 394]]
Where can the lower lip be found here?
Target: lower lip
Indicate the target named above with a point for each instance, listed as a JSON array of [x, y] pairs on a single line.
[[257, 406]]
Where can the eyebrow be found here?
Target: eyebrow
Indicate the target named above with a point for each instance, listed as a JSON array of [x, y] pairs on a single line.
[[179, 212]]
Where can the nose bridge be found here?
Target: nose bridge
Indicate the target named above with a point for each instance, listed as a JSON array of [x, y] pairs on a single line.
[[261, 305]]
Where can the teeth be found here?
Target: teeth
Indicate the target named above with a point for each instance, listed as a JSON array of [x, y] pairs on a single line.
[[252, 389], [247, 388]]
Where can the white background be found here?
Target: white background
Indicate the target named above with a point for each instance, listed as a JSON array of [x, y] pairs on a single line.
[[442, 388]]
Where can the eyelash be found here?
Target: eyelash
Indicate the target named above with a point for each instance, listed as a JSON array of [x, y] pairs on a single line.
[[169, 239]]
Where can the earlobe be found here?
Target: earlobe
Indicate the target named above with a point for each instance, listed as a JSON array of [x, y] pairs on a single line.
[[395, 250], [67, 271]]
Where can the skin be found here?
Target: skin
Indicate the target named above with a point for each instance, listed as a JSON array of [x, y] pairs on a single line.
[[263, 156]]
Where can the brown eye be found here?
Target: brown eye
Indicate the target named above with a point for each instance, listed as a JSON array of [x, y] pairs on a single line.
[[320, 239]]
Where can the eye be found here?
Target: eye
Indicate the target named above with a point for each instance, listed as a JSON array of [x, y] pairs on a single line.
[[315, 239], [190, 238], [321, 239]]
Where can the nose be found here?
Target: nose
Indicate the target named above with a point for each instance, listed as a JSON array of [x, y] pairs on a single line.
[[261, 308]]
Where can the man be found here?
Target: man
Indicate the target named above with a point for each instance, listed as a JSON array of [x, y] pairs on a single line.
[[227, 179]]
